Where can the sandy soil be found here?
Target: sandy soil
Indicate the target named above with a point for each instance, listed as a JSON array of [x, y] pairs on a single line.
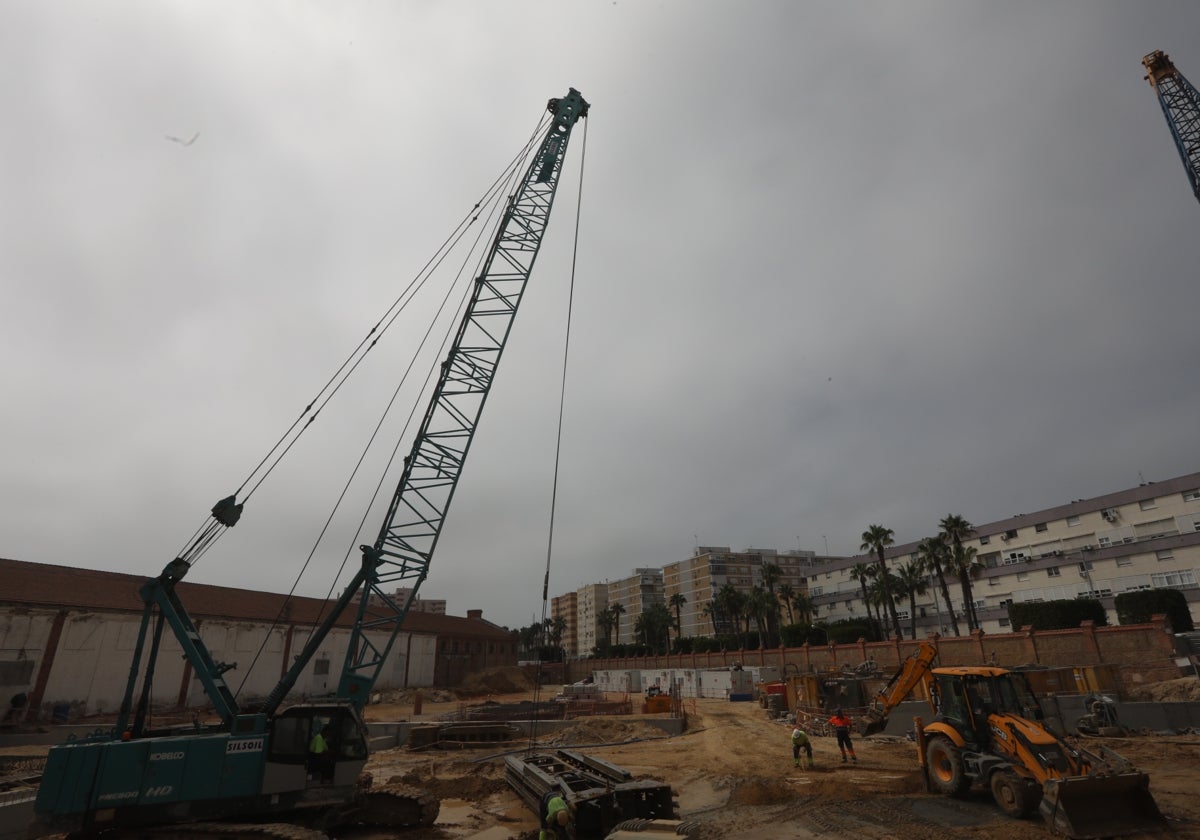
[[732, 774]]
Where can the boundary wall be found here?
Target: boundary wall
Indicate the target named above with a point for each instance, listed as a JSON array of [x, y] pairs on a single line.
[[1143, 653]]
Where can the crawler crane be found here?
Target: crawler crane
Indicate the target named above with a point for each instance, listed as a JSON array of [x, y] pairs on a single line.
[[987, 733], [252, 773]]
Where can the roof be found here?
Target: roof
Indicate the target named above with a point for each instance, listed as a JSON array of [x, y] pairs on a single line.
[[57, 587]]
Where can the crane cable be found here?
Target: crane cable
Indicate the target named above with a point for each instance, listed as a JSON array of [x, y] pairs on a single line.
[[212, 528], [502, 186], [562, 393]]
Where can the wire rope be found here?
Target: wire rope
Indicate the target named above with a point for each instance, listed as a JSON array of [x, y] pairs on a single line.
[[562, 395]]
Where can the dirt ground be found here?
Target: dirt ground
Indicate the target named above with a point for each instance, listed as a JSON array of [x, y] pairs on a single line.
[[732, 775]]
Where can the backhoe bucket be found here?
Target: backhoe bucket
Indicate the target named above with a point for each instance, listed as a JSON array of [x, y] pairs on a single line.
[[1084, 807], [871, 721]]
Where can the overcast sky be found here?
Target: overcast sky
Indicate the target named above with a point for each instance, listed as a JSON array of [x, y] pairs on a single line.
[[838, 265]]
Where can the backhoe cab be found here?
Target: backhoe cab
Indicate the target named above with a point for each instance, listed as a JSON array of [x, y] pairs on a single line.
[[988, 734]]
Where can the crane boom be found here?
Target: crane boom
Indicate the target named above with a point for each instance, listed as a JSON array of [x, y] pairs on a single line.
[[410, 531], [1181, 106]]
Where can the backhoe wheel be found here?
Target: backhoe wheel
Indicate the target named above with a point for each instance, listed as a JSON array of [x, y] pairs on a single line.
[[1016, 797], [946, 772]]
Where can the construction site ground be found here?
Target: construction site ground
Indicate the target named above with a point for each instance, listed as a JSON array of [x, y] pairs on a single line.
[[732, 774]]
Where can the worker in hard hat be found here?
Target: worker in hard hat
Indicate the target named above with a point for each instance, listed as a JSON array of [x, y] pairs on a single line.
[[841, 726], [800, 742], [556, 816]]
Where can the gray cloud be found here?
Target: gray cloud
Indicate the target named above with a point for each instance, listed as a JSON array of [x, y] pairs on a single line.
[[837, 266]]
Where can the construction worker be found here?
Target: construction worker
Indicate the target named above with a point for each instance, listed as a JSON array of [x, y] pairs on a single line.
[[320, 758], [841, 726], [800, 742], [556, 816]]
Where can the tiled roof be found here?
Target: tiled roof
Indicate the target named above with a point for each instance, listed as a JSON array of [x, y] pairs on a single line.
[[45, 585]]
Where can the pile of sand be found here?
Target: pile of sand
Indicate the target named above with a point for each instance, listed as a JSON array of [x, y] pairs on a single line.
[[1169, 691], [604, 731], [510, 679]]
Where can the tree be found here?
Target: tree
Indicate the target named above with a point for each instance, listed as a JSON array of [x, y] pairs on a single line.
[[786, 594], [652, 627], [771, 573], [955, 529], [607, 621], [875, 539], [935, 554], [618, 610], [910, 577], [555, 628], [732, 603], [759, 605], [804, 607], [863, 573], [676, 602]]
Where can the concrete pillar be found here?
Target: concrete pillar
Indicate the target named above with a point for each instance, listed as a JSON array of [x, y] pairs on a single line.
[[1030, 643], [1087, 634]]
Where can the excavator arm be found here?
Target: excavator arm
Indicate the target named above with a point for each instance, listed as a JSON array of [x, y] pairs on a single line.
[[916, 670]]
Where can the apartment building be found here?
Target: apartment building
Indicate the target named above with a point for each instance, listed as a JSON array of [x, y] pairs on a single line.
[[590, 600], [1145, 537], [635, 593], [700, 577]]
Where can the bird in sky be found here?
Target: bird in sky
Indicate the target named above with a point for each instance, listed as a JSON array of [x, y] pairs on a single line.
[[181, 141]]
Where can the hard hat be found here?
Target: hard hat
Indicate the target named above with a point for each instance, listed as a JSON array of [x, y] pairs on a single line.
[[562, 817]]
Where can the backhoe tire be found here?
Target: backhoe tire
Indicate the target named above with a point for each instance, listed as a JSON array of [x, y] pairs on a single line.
[[946, 772], [1016, 797]]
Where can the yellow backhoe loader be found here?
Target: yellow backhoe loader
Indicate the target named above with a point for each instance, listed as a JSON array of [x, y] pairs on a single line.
[[987, 733]]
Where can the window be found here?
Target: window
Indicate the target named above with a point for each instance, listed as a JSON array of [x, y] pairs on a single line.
[[993, 581], [1125, 561], [1004, 622], [984, 540], [1165, 554], [1148, 504], [1072, 520], [320, 667], [1104, 542], [1054, 571], [1022, 575], [1085, 566], [1010, 534], [1163, 579], [1191, 495], [1041, 527], [815, 591]]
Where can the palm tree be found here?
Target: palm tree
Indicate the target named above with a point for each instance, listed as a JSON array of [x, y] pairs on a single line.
[[676, 602], [863, 573], [556, 627], [910, 577], [771, 573], [617, 609], [786, 593], [606, 620], [759, 604], [804, 607], [875, 539], [652, 625], [964, 563], [733, 607], [955, 529], [934, 552]]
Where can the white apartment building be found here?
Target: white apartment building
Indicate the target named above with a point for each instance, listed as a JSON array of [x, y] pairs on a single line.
[[1146, 537], [590, 600]]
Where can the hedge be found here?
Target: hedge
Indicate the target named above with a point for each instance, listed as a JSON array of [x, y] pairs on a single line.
[[1057, 615], [1140, 607]]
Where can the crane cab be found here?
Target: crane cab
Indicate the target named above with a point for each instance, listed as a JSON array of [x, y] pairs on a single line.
[[315, 745]]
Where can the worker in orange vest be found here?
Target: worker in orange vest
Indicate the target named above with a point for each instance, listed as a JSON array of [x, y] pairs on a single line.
[[841, 726]]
